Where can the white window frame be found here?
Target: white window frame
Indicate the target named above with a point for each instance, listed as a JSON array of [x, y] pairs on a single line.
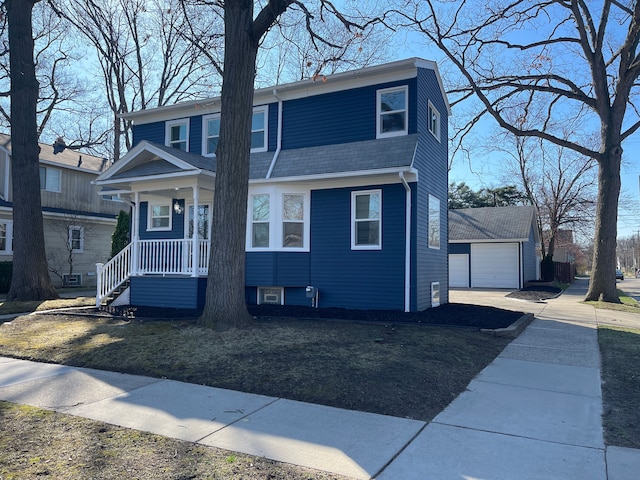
[[46, 185], [167, 132], [380, 113], [268, 221], [354, 220], [264, 110], [433, 118], [9, 237], [261, 289], [150, 217], [205, 137], [434, 217], [292, 221], [276, 218], [435, 294], [76, 228]]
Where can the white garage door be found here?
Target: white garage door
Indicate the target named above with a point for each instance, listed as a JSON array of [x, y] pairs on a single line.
[[459, 270], [495, 265]]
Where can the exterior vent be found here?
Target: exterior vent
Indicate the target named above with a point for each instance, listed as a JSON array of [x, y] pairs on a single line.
[[72, 280], [271, 298]]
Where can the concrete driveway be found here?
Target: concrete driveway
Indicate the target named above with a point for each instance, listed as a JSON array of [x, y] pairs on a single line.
[[494, 297]]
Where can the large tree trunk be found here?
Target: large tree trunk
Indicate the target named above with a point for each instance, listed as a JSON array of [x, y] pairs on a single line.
[[31, 280], [603, 280], [225, 304]]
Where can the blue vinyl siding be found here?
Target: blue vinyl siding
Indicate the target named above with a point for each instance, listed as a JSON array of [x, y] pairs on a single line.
[[461, 248], [277, 269], [152, 132], [340, 117], [195, 134], [272, 122], [168, 292], [177, 224], [369, 279]]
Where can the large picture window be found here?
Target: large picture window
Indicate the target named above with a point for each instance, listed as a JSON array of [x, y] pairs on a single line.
[[392, 112], [50, 179], [366, 220], [434, 222], [177, 135]]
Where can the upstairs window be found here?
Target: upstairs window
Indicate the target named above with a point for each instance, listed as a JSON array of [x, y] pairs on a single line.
[[76, 239], [366, 220], [434, 121], [177, 135], [392, 112], [159, 217], [211, 134], [50, 179]]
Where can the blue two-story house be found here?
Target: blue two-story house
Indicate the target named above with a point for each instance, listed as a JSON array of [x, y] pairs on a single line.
[[347, 198]]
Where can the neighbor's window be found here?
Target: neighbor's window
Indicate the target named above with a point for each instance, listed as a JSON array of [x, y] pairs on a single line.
[[366, 215], [293, 221], [211, 134], [434, 222], [392, 112], [160, 217], [76, 239], [177, 135], [435, 294], [434, 121], [50, 179], [260, 221], [6, 237]]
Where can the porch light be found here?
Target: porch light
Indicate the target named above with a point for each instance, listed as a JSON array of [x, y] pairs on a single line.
[[177, 207]]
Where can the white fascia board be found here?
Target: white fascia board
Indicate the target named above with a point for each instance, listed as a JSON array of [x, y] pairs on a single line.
[[492, 240], [388, 72], [337, 180], [164, 176]]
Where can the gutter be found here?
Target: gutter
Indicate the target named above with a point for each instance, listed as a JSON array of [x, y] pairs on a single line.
[[407, 237], [279, 140]]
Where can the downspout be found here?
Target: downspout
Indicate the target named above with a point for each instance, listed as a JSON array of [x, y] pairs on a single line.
[[279, 136], [407, 238]]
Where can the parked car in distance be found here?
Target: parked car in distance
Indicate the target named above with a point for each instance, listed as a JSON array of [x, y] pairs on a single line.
[[619, 274]]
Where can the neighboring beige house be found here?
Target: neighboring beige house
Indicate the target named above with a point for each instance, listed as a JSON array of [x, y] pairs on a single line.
[[78, 222]]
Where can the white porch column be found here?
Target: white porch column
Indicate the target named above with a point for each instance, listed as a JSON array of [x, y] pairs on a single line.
[[195, 254], [135, 234]]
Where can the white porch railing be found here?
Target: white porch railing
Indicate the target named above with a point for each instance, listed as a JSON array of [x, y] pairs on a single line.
[[151, 257]]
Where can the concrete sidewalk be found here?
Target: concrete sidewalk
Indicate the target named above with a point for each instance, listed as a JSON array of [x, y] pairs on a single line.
[[534, 413]]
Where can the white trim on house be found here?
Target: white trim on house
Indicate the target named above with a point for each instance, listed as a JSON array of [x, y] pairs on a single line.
[[167, 133]]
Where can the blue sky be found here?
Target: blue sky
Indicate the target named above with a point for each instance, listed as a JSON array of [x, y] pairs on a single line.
[[485, 170]]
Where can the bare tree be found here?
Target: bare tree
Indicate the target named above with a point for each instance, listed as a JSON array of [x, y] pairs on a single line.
[[560, 183], [225, 298], [543, 63], [30, 280]]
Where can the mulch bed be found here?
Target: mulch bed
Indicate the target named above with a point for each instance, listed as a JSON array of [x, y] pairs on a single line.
[[536, 293], [450, 314]]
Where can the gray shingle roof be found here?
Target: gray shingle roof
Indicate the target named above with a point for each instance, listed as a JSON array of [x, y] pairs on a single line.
[[491, 223]]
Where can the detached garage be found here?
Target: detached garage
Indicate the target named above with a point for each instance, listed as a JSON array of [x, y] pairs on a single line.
[[493, 247]]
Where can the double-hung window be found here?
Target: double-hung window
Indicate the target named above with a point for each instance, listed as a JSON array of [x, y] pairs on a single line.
[[177, 134], [292, 221], [366, 220], [211, 129], [6, 237], [260, 219], [159, 217], [50, 179], [76, 239], [392, 115], [434, 121], [434, 222]]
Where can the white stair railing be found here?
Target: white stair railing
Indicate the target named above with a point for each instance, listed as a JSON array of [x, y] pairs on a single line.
[[110, 275]]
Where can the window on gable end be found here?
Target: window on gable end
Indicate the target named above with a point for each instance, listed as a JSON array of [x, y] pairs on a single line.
[[434, 121], [177, 134], [392, 115]]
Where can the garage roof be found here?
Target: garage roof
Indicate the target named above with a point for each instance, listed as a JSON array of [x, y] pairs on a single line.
[[511, 223]]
